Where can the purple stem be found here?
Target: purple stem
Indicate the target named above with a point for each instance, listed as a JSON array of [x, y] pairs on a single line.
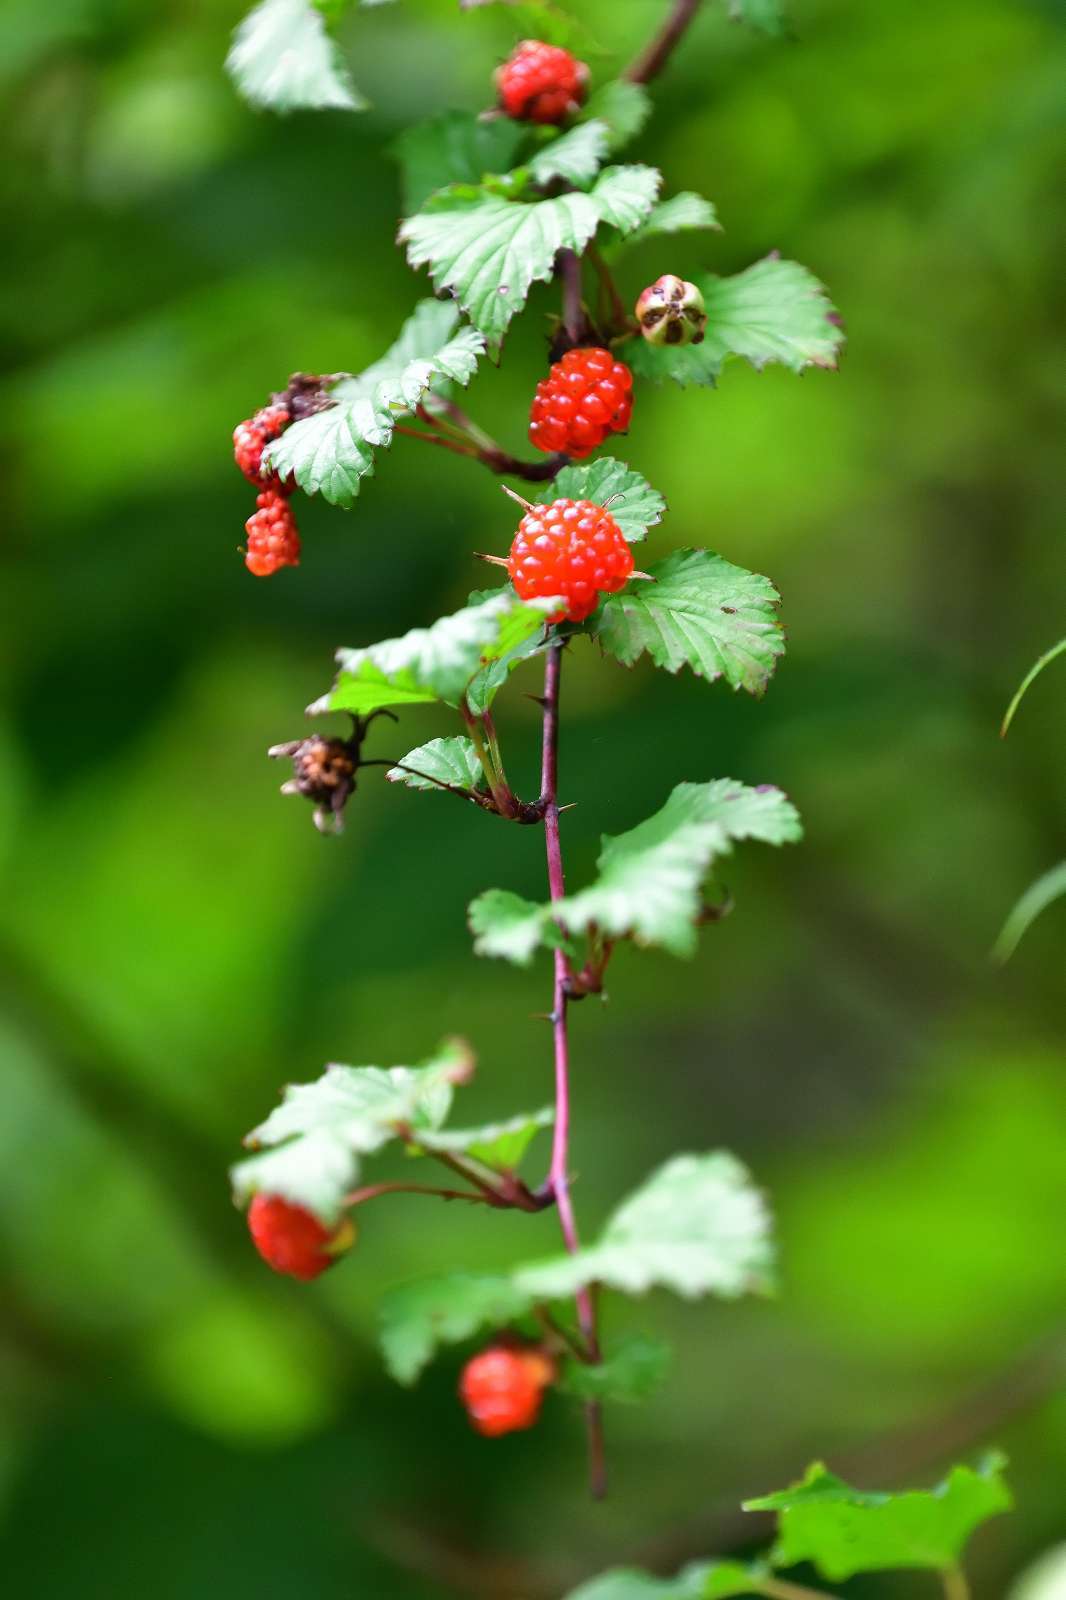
[[558, 1174]]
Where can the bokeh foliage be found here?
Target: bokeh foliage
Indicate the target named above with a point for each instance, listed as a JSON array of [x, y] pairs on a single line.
[[176, 941]]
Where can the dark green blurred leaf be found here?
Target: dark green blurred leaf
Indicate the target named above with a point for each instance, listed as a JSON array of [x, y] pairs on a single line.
[[418, 1318], [456, 147], [630, 1371], [625, 107], [576, 155]]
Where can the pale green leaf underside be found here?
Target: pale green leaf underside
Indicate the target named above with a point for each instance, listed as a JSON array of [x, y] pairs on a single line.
[[625, 107], [766, 16], [434, 663], [453, 761], [697, 1226], [283, 58], [649, 881], [682, 213], [510, 928], [425, 332], [844, 1531], [636, 506], [332, 451], [703, 1580], [456, 147], [774, 311], [499, 1145], [576, 156], [701, 612], [489, 251], [419, 1317], [321, 1129], [630, 1371]]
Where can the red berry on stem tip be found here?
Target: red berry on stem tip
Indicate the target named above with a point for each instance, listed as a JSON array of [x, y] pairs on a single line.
[[572, 548], [273, 537], [502, 1389], [292, 1240], [251, 438], [541, 82], [586, 396]]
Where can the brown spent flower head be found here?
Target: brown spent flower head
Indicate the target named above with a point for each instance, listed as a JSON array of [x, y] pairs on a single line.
[[671, 311], [324, 771]]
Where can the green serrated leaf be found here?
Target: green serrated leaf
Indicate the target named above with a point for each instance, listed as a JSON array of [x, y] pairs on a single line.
[[516, 644], [626, 196], [576, 156], [697, 1226], [843, 1531], [489, 251], [321, 1129], [636, 505], [453, 761], [434, 663], [703, 1580], [625, 107], [499, 1145], [419, 1317], [332, 451], [700, 611], [766, 16], [456, 147], [774, 311], [283, 58], [682, 213], [648, 887], [629, 1372], [426, 331]]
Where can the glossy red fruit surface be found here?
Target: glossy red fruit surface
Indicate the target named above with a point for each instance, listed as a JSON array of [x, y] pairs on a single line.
[[541, 82], [571, 548], [292, 1240], [251, 438], [273, 537], [586, 396], [502, 1389]]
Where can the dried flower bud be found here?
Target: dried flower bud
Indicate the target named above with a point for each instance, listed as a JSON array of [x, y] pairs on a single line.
[[671, 311]]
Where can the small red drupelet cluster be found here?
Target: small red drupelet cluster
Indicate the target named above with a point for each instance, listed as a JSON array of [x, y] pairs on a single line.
[[273, 537], [586, 396], [292, 1240], [502, 1388], [571, 548], [541, 83]]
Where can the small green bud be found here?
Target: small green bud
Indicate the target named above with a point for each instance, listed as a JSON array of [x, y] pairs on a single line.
[[671, 311]]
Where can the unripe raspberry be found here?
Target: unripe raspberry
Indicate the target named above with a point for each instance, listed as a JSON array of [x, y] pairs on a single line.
[[273, 537], [671, 311], [502, 1388], [251, 438], [292, 1240], [571, 548], [586, 396], [541, 83]]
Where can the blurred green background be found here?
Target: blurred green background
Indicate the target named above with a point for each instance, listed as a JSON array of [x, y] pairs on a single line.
[[177, 942]]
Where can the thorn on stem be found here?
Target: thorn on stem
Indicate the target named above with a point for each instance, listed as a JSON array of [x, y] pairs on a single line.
[[496, 561], [517, 498]]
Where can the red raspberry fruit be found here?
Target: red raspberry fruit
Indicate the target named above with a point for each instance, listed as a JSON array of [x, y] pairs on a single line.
[[273, 537], [541, 83], [571, 548], [586, 396], [251, 438], [502, 1389], [292, 1240]]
